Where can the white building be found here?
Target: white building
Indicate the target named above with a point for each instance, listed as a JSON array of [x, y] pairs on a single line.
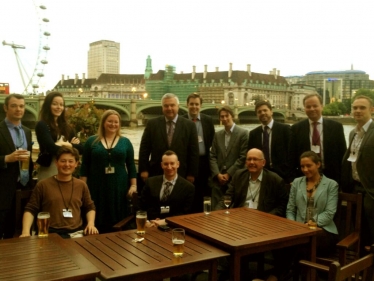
[[103, 57]]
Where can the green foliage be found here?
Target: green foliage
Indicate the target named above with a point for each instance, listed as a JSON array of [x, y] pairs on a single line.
[[364, 92], [85, 116], [334, 109]]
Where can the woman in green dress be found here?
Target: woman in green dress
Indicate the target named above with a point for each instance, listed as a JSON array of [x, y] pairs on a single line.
[[108, 167]]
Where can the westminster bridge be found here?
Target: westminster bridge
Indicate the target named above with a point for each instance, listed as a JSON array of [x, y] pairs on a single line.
[[134, 112]]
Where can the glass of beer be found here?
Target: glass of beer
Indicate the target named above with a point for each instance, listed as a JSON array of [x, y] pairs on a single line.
[[312, 217], [207, 205], [43, 224], [25, 161], [178, 238], [141, 219]]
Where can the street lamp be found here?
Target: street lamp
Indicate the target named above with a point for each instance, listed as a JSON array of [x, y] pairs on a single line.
[[222, 102], [133, 90], [145, 95]]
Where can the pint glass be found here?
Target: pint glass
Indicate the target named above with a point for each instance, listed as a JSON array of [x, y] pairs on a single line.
[[43, 224]]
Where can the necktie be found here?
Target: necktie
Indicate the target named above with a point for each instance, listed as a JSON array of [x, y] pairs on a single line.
[[166, 194], [23, 174], [315, 136], [170, 132], [19, 138], [265, 145], [194, 120]]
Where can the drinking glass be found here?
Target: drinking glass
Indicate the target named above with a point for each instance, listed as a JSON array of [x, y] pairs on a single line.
[[227, 202], [141, 219], [178, 239], [43, 224], [207, 205], [312, 217]]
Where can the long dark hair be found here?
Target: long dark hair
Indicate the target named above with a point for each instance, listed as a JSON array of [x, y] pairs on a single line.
[[45, 114]]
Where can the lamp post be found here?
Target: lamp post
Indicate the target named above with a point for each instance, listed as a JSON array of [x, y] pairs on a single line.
[[145, 96], [133, 90]]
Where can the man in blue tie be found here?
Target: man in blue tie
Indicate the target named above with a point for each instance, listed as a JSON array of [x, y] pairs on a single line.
[[15, 142]]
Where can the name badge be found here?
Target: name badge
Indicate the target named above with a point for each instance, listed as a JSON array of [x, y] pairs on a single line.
[[352, 157], [165, 209], [199, 139], [252, 205], [67, 213], [316, 149], [109, 170]]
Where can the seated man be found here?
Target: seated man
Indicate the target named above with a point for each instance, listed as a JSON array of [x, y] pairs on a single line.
[[62, 196], [257, 188], [167, 195]]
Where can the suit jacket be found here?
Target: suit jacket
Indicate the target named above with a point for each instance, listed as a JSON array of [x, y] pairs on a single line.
[[179, 201], [280, 140], [364, 163], [273, 195], [234, 156], [325, 200], [9, 172], [333, 147], [154, 143]]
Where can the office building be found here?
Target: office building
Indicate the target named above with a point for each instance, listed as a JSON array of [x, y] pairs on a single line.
[[103, 57]]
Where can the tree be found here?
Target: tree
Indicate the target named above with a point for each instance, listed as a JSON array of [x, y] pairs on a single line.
[[364, 92], [334, 109]]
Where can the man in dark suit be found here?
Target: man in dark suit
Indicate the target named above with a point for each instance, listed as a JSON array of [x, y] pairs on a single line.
[[321, 135], [273, 139], [257, 188], [169, 194], [205, 134], [227, 154], [15, 142], [169, 132], [358, 163]]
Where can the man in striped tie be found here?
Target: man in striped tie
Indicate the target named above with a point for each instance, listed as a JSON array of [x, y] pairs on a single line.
[[167, 195]]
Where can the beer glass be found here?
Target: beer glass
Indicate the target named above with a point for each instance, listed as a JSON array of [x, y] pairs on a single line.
[[312, 217], [25, 161], [43, 224], [207, 205], [141, 219], [178, 238]]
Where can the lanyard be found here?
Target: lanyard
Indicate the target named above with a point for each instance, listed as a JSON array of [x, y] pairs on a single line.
[[71, 195], [109, 149]]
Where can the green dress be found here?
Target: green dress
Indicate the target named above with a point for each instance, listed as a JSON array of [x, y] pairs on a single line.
[[108, 191]]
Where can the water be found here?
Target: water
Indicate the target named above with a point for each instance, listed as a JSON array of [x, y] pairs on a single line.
[[135, 135]]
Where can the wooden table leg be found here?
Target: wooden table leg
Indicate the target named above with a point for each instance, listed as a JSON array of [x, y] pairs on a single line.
[[213, 270], [234, 267], [313, 252]]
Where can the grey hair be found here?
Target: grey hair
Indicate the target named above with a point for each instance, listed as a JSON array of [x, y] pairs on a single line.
[[169, 96]]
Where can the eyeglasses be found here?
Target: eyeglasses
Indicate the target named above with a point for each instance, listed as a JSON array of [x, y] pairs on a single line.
[[254, 159]]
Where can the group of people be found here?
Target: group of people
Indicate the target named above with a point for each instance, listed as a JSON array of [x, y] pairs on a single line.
[[182, 159]]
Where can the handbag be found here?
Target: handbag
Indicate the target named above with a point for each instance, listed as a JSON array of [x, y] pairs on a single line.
[[44, 159]]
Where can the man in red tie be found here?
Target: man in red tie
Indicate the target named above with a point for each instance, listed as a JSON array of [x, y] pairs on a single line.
[[321, 135]]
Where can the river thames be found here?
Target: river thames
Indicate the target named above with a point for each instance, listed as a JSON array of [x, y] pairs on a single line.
[[135, 135]]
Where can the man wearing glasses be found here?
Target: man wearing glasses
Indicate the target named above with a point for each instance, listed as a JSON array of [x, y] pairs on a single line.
[[256, 187]]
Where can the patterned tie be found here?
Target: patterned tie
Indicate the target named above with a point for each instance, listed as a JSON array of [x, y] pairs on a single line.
[[265, 145], [23, 174], [166, 194], [170, 132]]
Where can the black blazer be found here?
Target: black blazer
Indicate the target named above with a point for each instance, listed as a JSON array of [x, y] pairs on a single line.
[[154, 143], [334, 147], [280, 139], [179, 201], [273, 195], [9, 172]]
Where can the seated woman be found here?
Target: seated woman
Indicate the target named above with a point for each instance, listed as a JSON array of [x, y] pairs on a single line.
[[313, 189]]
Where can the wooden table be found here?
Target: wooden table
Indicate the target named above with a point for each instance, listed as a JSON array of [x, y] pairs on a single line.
[[118, 256], [33, 258], [246, 231]]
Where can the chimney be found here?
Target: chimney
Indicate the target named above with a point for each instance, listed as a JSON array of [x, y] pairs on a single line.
[[193, 72], [278, 72], [62, 79], [67, 77], [230, 69], [76, 79], [83, 77], [270, 72], [275, 73], [205, 71], [249, 69], [217, 69], [181, 72]]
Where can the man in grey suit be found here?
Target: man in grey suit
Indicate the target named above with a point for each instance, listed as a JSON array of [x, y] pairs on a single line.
[[227, 154], [15, 141], [169, 132], [358, 163]]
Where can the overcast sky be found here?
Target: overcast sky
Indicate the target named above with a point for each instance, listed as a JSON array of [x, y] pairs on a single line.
[[295, 36]]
